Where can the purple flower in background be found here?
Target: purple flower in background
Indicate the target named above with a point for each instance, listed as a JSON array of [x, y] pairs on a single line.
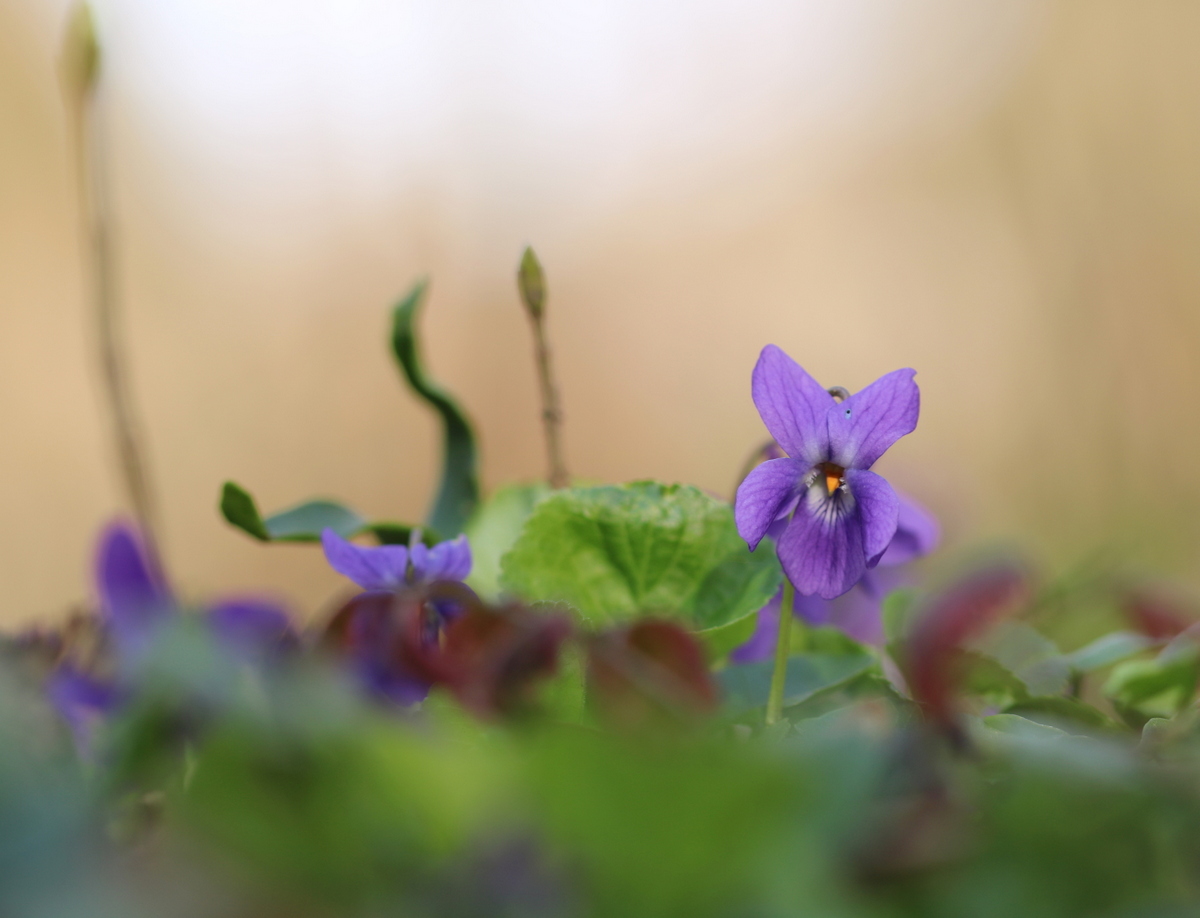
[[392, 567], [135, 603], [856, 612], [842, 516], [370, 628]]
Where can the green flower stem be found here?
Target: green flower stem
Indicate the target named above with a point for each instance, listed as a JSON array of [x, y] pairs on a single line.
[[783, 647]]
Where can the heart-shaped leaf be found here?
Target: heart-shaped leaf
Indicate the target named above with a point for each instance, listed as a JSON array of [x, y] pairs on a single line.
[[614, 552]]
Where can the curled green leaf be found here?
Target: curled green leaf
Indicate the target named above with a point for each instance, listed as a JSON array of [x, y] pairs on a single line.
[[458, 493]]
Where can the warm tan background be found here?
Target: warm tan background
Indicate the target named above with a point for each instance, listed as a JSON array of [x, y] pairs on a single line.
[[1004, 195]]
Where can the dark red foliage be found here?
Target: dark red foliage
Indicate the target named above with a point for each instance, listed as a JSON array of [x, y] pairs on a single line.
[[493, 658], [1156, 615], [490, 657], [931, 661], [648, 673]]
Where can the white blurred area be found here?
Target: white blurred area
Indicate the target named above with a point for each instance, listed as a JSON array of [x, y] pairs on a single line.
[[1000, 194]]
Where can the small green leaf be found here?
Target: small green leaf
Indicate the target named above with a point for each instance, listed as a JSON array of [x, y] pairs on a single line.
[[305, 522], [614, 552], [240, 510], [458, 493]]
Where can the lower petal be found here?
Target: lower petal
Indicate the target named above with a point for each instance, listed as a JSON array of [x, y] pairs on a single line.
[[878, 511], [822, 550]]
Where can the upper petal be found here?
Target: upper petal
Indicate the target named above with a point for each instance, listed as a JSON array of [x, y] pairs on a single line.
[[917, 534], [761, 496], [822, 549], [134, 597], [445, 561], [877, 507], [792, 404], [372, 568], [863, 426]]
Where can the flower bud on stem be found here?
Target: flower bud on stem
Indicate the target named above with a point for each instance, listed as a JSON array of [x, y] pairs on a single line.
[[532, 285], [80, 66], [783, 647]]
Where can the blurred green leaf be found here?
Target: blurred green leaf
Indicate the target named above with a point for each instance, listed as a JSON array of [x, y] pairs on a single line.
[[458, 493], [899, 608], [746, 686], [1141, 689], [305, 522], [1107, 650], [1026, 654], [1060, 712], [613, 552], [494, 529]]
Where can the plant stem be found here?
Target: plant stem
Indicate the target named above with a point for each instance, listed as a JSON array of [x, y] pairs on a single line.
[[551, 412], [532, 285], [783, 646], [98, 251]]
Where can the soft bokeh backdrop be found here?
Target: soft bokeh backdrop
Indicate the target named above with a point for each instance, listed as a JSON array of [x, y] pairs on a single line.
[[1003, 195]]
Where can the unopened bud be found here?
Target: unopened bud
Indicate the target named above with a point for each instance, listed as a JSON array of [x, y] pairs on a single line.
[[79, 64], [532, 283]]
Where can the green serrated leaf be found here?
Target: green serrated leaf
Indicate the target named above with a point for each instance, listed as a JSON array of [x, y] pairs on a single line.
[[458, 493], [614, 552]]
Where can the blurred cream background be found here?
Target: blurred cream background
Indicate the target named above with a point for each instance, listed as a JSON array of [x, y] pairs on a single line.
[[1004, 195]]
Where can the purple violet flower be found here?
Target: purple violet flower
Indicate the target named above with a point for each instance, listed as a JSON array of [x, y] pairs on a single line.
[[370, 630], [856, 613], [392, 567], [135, 602], [842, 516]]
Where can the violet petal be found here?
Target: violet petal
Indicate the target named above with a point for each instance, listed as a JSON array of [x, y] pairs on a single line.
[[863, 426], [822, 549], [763, 494], [372, 568], [878, 509], [250, 626], [917, 534], [793, 405], [445, 561], [134, 598]]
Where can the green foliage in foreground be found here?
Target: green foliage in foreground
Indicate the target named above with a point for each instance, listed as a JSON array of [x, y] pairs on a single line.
[[251, 790]]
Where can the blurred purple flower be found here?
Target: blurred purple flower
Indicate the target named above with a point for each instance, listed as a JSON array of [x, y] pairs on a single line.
[[842, 516], [856, 613], [369, 627], [135, 603], [392, 567]]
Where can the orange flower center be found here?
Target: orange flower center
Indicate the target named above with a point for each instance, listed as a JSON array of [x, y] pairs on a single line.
[[834, 476]]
